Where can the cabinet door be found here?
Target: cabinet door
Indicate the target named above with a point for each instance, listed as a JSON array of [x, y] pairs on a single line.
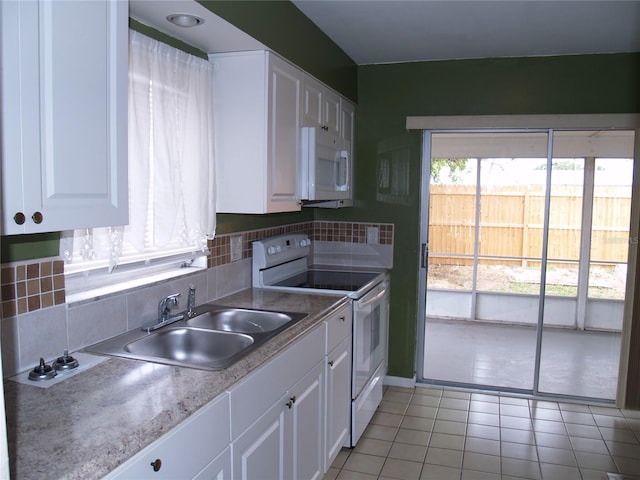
[[332, 111], [64, 151], [312, 103], [259, 452], [304, 440], [218, 469], [338, 403], [347, 122], [283, 159]]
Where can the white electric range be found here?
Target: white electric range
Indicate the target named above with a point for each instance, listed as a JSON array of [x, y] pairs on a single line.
[[284, 263]]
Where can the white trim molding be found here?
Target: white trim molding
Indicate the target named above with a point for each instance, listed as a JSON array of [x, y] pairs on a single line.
[[399, 381], [613, 121]]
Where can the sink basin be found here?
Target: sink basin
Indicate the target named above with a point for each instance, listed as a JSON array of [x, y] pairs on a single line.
[[241, 320], [191, 345], [214, 339]]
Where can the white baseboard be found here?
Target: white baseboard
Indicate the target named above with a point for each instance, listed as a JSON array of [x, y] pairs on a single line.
[[399, 381]]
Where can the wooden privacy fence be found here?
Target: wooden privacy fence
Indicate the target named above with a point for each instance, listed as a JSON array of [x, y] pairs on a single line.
[[511, 224]]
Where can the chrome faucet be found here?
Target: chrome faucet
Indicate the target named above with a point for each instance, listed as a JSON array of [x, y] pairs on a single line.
[[165, 306]]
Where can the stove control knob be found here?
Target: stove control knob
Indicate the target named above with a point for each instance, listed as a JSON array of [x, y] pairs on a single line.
[[278, 248], [271, 250]]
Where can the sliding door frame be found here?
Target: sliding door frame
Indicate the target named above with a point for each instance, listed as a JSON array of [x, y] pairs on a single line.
[[531, 123]]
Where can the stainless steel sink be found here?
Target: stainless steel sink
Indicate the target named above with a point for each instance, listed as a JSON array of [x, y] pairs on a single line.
[[241, 320], [213, 339], [191, 345]]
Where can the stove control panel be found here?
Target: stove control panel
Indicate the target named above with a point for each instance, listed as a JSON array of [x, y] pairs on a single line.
[[281, 249]]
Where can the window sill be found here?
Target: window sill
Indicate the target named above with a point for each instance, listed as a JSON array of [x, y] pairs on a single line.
[[87, 296]]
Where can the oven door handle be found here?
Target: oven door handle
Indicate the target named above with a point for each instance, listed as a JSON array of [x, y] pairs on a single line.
[[374, 299]]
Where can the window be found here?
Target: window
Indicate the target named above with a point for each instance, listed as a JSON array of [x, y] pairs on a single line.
[[171, 172]]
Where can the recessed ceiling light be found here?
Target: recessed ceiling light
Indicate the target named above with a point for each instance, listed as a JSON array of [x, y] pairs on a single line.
[[185, 19]]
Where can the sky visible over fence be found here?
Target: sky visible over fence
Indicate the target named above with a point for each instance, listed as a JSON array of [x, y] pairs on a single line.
[[532, 171]]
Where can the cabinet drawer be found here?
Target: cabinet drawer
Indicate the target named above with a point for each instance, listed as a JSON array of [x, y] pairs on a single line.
[[338, 327], [185, 450], [260, 390]]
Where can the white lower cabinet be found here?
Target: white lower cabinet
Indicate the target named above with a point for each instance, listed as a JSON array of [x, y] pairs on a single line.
[[259, 452], [287, 441], [277, 415], [183, 452], [304, 427], [338, 404], [338, 365]]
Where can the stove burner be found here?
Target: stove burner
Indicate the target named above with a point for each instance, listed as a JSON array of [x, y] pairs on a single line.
[[42, 372], [329, 280], [65, 363]]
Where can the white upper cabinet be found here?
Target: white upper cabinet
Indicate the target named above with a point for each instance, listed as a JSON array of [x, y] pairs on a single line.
[[347, 122], [320, 106], [257, 97], [260, 104], [64, 115]]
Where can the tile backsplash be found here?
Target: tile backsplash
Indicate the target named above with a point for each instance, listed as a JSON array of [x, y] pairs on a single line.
[[36, 321], [351, 232], [31, 286]]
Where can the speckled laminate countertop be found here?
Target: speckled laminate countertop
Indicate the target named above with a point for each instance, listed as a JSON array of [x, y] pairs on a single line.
[[87, 425]]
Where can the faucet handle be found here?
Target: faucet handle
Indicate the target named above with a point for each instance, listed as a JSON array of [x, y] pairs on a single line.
[[172, 300], [165, 305]]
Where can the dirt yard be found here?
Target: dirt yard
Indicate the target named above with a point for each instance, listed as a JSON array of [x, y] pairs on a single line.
[[603, 283]]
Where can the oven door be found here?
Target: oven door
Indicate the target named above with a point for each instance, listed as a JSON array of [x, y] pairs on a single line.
[[370, 318]]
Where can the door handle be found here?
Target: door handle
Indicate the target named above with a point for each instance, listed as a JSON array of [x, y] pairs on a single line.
[[424, 255]]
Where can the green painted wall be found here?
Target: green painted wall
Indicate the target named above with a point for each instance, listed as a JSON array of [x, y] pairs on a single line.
[[229, 223], [286, 30], [389, 93], [27, 247]]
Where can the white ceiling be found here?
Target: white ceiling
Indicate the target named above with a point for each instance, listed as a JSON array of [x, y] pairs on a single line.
[[214, 35], [389, 31]]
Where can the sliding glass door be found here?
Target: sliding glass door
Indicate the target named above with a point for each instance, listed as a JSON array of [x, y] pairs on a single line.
[[526, 260], [586, 265]]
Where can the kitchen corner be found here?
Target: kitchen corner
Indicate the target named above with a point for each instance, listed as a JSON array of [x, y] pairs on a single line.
[[90, 423]]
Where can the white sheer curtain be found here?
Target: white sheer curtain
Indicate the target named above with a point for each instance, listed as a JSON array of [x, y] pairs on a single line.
[[171, 167]]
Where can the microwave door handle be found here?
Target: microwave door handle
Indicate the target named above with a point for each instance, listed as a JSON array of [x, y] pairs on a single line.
[[344, 154], [309, 146], [347, 174]]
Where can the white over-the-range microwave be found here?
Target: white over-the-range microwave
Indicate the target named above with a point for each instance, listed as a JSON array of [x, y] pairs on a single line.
[[326, 168]]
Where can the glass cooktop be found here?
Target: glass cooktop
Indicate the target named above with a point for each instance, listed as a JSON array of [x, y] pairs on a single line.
[[329, 280]]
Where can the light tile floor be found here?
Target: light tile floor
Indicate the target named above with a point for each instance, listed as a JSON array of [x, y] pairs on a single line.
[[443, 434]]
